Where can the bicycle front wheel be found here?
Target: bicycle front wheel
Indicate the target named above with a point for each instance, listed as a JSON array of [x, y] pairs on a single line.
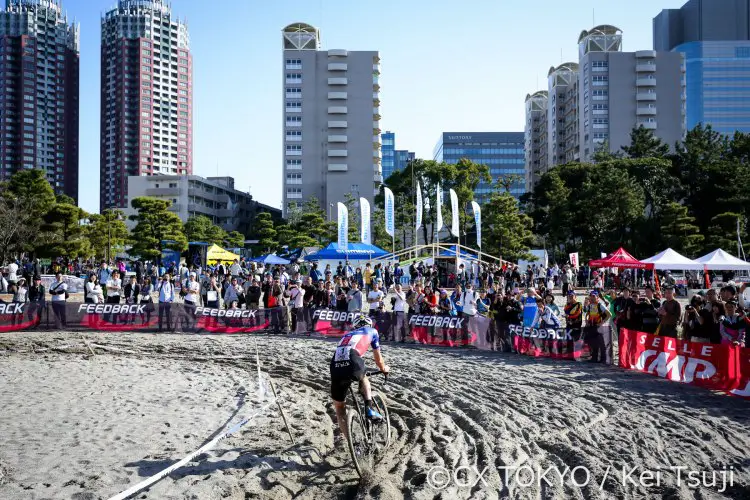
[[358, 443], [381, 430]]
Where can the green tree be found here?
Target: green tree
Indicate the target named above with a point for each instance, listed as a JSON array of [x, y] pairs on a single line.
[[507, 231], [644, 144], [201, 228], [24, 200], [722, 233], [234, 239], [65, 233], [156, 229], [678, 230], [107, 233], [263, 226]]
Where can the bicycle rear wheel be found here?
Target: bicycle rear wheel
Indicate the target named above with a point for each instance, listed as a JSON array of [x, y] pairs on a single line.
[[358, 441], [381, 430]]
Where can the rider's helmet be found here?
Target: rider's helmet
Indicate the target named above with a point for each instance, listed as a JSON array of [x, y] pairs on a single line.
[[361, 321]]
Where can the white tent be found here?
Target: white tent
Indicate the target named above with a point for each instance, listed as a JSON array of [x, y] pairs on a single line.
[[669, 259], [719, 260]]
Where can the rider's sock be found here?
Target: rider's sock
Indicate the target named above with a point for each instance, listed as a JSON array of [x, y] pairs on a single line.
[[368, 403]]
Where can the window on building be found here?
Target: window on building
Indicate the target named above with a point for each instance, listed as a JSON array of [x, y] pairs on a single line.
[[294, 178], [294, 164]]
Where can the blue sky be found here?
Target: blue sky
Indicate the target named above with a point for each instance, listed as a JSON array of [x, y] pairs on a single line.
[[447, 65]]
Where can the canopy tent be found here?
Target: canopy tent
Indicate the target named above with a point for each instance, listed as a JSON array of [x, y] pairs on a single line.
[[620, 259], [463, 254], [271, 258], [669, 259], [215, 254], [356, 251], [719, 260]]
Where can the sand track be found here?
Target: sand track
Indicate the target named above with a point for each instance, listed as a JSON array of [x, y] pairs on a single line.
[[80, 426]]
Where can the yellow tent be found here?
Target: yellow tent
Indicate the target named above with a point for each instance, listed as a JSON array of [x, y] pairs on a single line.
[[215, 254]]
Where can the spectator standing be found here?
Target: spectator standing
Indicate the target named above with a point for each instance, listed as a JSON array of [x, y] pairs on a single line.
[[297, 300], [36, 292], [354, 298], [732, 327], [93, 293], [21, 294], [670, 313], [166, 298], [375, 299], [399, 311], [59, 292]]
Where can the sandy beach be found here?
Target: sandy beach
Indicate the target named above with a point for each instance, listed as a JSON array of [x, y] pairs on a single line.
[[77, 425]]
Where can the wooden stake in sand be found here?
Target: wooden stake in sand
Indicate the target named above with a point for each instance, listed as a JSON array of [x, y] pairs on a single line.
[[281, 410], [88, 345]]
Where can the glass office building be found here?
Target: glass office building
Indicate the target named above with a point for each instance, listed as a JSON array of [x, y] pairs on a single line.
[[502, 152], [392, 159], [718, 84], [714, 36]]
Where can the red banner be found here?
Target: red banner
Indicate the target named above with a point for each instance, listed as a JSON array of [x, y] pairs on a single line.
[[713, 366]]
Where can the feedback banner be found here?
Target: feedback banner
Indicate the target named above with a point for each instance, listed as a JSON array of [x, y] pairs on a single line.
[[580, 344], [713, 366]]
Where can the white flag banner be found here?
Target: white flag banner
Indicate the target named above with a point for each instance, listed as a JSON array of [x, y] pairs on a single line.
[[390, 208], [573, 259], [454, 213], [364, 215], [439, 209], [419, 207], [343, 227], [477, 221]]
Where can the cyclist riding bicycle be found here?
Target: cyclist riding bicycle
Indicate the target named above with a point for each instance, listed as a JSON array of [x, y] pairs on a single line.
[[347, 365]]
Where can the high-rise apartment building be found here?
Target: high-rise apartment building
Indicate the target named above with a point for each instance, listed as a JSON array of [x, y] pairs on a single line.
[[39, 94], [715, 40], [502, 152], [535, 137], [562, 111], [147, 97], [622, 90], [331, 110], [393, 159]]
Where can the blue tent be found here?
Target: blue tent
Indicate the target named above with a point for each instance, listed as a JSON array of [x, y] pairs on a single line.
[[356, 251], [271, 258], [462, 254]]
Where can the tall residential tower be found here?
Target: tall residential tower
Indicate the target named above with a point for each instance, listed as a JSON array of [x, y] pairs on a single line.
[[331, 105], [147, 97], [715, 39], [39, 92]]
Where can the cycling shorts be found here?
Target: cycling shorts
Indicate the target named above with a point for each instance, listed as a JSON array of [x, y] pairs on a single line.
[[343, 373]]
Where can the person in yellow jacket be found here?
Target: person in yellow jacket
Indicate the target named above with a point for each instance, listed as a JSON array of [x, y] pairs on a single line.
[[368, 278]]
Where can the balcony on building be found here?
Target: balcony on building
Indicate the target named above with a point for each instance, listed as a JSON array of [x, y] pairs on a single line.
[[645, 96], [337, 153], [337, 110], [337, 66], [337, 95], [338, 81], [648, 125], [646, 111], [163, 191], [338, 53], [377, 178], [645, 82], [645, 54], [338, 138], [642, 67], [337, 167], [336, 124]]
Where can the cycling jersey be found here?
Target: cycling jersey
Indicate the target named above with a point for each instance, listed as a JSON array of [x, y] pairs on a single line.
[[357, 340]]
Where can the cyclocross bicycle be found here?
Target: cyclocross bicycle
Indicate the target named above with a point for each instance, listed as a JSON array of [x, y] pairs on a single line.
[[368, 438]]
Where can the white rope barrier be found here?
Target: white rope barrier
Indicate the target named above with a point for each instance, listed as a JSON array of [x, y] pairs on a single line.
[[151, 480]]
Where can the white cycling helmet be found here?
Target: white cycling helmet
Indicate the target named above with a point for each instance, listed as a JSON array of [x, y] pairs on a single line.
[[361, 321]]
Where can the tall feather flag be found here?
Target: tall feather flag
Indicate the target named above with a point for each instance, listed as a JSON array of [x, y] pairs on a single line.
[[454, 212], [419, 206], [439, 209], [390, 219], [364, 215], [343, 228], [478, 222]]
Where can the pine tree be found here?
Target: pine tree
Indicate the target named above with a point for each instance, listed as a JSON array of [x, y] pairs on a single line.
[[266, 233], [156, 229], [678, 230]]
